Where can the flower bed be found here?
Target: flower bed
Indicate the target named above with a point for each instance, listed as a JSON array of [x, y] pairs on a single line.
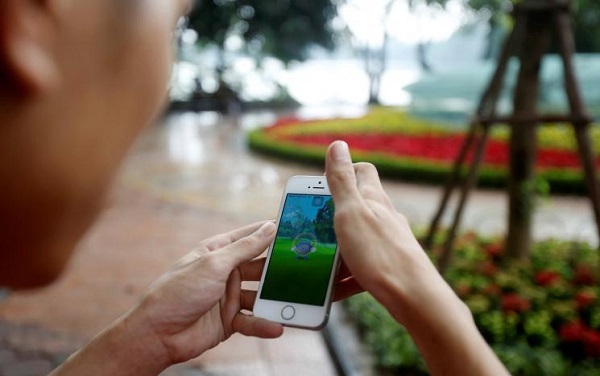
[[414, 149], [541, 317]]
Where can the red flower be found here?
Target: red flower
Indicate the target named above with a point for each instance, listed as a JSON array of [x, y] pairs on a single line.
[[514, 303], [572, 331], [494, 250], [546, 277], [433, 147], [577, 331], [591, 341], [584, 299], [584, 276]]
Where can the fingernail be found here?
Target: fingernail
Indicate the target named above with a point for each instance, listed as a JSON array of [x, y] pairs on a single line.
[[340, 151], [267, 229]]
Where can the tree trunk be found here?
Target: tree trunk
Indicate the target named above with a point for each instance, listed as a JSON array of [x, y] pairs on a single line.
[[378, 67], [372, 61], [521, 182], [422, 57]]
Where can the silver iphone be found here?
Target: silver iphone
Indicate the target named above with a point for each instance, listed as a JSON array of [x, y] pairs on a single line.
[[297, 281]]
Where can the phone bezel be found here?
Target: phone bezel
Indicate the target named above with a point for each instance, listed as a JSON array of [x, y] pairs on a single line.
[[306, 316]]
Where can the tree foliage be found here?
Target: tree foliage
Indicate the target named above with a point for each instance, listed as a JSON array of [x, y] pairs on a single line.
[[587, 25], [586, 19], [324, 223], [280, 28]]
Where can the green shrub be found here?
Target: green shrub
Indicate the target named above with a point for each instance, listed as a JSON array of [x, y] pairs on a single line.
[[541, 317]]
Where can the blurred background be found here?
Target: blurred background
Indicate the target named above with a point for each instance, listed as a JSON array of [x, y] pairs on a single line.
[[434, 56], [243, 65]]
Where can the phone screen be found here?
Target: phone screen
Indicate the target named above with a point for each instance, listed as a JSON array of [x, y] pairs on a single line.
[[303, 252]]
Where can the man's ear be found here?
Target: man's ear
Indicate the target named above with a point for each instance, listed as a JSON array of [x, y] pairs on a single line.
[[28, 29]]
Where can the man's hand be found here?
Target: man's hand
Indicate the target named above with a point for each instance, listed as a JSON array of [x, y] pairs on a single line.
[[190, 309], [382, 255], [199, 303]]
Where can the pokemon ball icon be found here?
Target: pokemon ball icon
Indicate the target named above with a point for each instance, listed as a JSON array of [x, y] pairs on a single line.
[[304, 245]]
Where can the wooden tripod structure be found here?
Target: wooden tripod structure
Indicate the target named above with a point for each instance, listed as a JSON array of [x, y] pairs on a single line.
[[535, 21]]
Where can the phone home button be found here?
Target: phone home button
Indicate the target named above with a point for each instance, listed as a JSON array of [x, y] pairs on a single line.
[[288, 312]]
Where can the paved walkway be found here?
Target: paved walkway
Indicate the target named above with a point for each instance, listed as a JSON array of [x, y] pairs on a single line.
[[188, 178]]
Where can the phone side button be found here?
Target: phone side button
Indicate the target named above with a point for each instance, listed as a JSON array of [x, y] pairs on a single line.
[[288, 312]]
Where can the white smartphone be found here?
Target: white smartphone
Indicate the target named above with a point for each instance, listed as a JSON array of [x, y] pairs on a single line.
[[297, 281]]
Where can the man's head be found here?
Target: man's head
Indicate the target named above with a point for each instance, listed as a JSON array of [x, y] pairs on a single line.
[[79, 79]]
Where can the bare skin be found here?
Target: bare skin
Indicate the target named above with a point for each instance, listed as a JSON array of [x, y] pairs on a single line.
[[79, 80], [386, 259], [190, 309]]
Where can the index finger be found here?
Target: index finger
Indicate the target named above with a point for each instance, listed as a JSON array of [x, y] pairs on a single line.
[[340, 173], [222, 240], [218, 242], [248, 247]]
